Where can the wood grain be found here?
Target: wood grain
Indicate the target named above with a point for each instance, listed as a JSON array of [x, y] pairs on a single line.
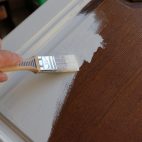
[[105, 101]]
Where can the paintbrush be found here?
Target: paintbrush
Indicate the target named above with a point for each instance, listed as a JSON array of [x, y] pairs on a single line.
[[41, 64]]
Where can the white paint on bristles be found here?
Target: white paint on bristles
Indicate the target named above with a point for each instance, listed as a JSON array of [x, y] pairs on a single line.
[[31, 101]]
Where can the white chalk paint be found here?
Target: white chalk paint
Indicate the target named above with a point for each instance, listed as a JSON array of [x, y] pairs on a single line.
[[31, 101], [7, 135]]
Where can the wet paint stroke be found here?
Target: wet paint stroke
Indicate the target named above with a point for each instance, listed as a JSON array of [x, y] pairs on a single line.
[[32, 103]]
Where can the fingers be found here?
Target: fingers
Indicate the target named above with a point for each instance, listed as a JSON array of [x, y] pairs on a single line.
[[3, 77], [8, 58]]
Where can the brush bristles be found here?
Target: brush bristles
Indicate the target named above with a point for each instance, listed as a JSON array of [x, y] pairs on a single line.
[[67, 63]]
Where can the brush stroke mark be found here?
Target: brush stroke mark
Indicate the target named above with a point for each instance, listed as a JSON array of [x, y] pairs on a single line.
[[32, 104]]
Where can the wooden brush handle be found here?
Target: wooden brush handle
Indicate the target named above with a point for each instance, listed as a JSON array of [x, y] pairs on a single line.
[[25, 65]]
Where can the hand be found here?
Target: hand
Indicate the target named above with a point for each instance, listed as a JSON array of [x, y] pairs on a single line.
[[7, 58]]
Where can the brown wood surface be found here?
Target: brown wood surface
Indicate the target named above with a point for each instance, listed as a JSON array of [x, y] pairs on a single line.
[[105, 101]]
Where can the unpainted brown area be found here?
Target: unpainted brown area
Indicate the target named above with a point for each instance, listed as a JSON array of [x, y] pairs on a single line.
[[105, 101]]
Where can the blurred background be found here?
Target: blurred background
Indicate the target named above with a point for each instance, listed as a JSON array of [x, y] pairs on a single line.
[[13, 12]]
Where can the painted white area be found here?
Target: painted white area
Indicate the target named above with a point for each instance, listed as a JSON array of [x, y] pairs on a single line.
[[20, 36], [7, 135], [31, 101], [4, 138]]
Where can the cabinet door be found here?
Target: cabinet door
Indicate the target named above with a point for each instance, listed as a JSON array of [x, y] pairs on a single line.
[[102, 102], [30, 103]]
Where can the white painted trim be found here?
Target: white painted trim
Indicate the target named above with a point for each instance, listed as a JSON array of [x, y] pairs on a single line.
[[7, 135], [36, 21], [38, 28]]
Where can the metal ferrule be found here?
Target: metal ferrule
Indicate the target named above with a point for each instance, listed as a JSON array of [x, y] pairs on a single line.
[[47, 63]]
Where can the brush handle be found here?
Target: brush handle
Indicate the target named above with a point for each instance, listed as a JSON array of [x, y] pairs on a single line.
[[25, 65]]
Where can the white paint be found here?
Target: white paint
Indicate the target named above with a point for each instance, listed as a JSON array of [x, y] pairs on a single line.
[[4, 138], [31, 101], [20, 36], [7, 135]]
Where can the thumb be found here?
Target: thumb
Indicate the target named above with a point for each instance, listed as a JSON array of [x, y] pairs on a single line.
[[8, 58]]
